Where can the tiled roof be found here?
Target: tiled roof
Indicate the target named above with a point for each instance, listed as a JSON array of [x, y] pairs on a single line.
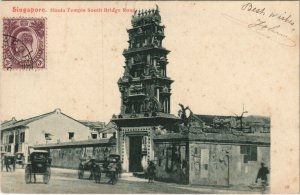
[[93, 124], [208, 119], [7, 123], [250, 120], [110, 127], [23, 123]]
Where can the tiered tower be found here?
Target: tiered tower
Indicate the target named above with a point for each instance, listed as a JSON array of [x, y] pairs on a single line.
[[145, 89]]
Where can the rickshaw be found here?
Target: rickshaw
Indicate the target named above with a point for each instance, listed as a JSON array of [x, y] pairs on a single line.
[[39, 164], [84, 165], [20, 159], [7, 160], [110, 167]]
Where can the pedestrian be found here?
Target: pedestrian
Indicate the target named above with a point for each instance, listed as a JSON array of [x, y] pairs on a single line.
[[96, 172], [262, 174], [14, 163], [151, 172], [113, 171], [92, 164], [119, 168], [2, 162], [23, 161], [7, 162]]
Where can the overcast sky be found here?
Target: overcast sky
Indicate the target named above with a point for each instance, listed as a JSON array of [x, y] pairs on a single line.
[[218, 64]]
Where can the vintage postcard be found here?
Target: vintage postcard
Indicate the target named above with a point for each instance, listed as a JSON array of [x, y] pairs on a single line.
[[149, 97]]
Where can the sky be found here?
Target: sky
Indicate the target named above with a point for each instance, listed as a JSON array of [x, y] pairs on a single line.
[[218, 65]]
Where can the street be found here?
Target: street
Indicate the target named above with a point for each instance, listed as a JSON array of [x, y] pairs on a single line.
[[65, 181]]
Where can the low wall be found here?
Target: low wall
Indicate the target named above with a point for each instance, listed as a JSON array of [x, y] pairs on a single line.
[[210, 159], [172, 161], [226, 164], [69, 155]]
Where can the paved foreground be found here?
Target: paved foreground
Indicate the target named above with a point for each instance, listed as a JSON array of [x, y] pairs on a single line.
[[65, 181]]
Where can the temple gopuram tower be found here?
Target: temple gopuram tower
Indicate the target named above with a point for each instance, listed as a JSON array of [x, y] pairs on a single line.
[[145, 91]]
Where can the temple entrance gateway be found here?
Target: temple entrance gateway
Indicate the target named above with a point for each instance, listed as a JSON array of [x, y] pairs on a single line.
[[136, 148], [135, 154]]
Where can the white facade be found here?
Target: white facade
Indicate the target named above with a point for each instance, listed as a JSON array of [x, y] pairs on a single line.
[[53, 127]]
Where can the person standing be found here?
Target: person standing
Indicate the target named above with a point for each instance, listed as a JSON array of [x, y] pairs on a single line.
[[263, 174], [14, 162], [7, 162], [2, 162], [113, 171], [151, 172]]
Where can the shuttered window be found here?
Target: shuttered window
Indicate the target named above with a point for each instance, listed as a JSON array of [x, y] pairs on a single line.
[[249, 152]]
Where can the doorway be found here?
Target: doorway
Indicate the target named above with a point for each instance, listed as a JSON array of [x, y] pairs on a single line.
[[135, 154]]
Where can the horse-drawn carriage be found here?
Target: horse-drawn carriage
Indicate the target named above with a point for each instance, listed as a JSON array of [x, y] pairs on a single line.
[[110, 167], [7, 160], [20, 159], [39, 164]]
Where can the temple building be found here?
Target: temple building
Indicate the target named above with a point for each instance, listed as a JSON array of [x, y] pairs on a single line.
[[145, 90], [194, 149]]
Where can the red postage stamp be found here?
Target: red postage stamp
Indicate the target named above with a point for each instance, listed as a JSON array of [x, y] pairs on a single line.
[[24, 43]]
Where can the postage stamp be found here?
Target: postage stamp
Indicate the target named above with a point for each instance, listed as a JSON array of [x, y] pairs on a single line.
[[24, 41]]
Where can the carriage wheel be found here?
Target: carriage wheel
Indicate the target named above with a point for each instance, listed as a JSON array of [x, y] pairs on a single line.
[[80, 172], [47, 175], [97, 177], [113, 181], [96, 173], [27, 174]]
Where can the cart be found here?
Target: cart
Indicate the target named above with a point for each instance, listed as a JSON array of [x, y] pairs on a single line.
[[6, 161], [110, 168], [20, 159], [39, 164], [84, 165]]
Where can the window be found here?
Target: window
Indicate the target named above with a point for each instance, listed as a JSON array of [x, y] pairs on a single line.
[[17, 137], [22, 137], [104, 135], [205, 166], [47, 136], [16, 147], [250, 153], [5, 139], [11, 139], [94, 136], [71, 135]]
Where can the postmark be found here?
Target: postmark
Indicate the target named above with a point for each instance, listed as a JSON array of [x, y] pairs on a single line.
[[24, 43]]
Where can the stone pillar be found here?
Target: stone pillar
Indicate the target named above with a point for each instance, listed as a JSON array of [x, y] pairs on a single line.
[[126, 154]]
